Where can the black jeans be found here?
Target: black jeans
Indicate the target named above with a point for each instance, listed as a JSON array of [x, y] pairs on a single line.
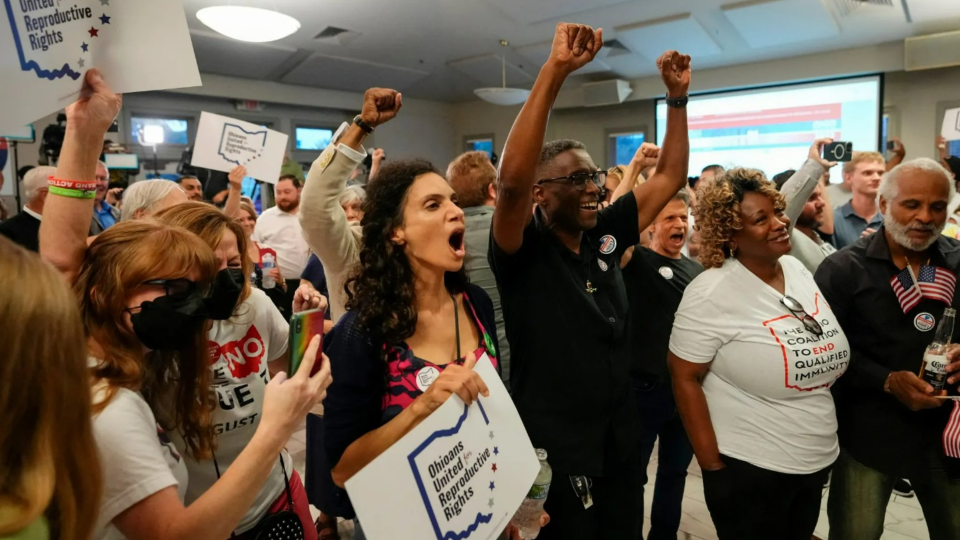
[[659, 418], [616, 496], [747, 502]]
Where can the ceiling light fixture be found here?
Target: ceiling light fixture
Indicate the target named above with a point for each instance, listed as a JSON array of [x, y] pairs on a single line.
[[248, 24], [501, 95]]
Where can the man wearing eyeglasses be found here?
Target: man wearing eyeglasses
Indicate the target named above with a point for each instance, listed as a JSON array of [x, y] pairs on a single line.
[[564, 300], [889, 291]]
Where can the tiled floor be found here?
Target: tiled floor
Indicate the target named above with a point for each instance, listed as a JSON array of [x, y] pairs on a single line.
[[904, 519]]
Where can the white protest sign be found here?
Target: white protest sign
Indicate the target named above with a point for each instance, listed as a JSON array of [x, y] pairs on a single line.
[[46, 46], [951, 125], [461, 474], [223, 143], [6, 168]]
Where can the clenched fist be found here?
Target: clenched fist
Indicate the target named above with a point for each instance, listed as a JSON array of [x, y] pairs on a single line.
[[575, 45], [380, 105], [675, 72], [647, 155]]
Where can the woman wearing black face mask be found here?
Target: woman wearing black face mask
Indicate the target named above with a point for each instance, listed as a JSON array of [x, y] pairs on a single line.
[[250, 334], [145, 290]]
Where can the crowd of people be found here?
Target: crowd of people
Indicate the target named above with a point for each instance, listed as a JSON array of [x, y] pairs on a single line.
[[773, 329]]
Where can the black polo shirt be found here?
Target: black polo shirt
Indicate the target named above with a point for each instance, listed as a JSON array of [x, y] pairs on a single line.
[[569, 367], [874, 427], [655, 286]]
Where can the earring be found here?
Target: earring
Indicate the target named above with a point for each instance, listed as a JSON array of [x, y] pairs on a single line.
[[733, 251]]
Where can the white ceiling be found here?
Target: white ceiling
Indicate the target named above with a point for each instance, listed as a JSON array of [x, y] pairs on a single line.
[[443, 49]]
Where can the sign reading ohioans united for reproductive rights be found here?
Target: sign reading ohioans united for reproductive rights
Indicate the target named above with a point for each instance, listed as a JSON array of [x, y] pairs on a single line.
[[46, 47], [461, 474], [223, 143]]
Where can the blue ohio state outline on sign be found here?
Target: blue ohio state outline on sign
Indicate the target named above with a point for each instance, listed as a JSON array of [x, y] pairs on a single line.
[[481, 518], [25, 65], [223, 136]]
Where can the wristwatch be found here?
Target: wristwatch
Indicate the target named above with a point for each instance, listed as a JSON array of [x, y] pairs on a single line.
[[679, 102], [363, 125]]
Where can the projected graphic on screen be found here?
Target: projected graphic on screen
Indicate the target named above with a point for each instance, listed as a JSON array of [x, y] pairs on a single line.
[[772, 128]]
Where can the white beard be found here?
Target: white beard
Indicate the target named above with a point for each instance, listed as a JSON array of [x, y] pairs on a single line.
[[898, 232]]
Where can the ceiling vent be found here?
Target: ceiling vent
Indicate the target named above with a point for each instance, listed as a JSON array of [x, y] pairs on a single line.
[[614, 47], [333, 35], [846, 7]]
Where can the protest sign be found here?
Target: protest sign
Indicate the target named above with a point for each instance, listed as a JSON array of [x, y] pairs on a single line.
[[223, 143], [461, 474], [46, 46], [951, 125]]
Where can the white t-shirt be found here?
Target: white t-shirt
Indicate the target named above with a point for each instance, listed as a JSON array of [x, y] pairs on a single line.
[[136, 456], [768, 389], [281, 231], [240, 349]]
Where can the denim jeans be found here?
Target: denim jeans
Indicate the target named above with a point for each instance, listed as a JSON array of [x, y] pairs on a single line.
[[859, 495], [659, 418], [747, 502]]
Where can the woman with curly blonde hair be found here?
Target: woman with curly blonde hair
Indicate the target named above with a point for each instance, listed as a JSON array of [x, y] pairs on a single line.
[[753, 354]]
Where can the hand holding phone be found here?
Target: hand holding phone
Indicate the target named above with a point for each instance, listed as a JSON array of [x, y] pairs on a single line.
[[838, 151], [303, 326]]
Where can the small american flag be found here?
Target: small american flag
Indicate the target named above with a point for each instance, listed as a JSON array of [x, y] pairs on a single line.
[[937, 283], [906, 289], [951, 435]]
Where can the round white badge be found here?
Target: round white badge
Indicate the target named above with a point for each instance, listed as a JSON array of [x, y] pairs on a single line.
[[666, 272], [924, 322], [603, 265], [426, 376], [608, 244]]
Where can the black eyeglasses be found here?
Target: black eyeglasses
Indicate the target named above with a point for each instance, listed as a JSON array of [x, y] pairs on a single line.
[[178, 286], [797, 310], [580, 179]]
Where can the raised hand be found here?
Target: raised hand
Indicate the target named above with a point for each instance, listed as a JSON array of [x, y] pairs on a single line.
[[380, 105], [236, 176], [675, 72], [113, 195], [647, 155], [378, 155], [575, 45], [898, 147], [96, 108], [816, 152]]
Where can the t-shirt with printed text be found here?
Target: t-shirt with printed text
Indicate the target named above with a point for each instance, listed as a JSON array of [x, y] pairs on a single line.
[[768, 389], [239, 351]]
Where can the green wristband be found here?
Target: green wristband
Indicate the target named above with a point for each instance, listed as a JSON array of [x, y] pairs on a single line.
[[74, 193]]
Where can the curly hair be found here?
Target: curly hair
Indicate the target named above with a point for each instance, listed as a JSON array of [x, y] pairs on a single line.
[[381, 287], [718, 214]]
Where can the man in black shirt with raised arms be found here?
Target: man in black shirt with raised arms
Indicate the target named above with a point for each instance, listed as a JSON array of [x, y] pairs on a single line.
[[564, 302], [656, 278]]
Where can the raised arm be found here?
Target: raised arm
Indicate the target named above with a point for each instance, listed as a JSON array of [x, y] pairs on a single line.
[[798, 188], [899, 152], [323, 220], [574, 45], [232, 206], [645, 156], [671, 173], [66, 220]]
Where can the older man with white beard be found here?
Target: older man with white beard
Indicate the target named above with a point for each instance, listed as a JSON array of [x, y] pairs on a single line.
[[888, 291]]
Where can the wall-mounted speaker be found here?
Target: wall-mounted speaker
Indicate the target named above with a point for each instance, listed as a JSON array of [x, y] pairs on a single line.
[[933, 51], [609, 92]]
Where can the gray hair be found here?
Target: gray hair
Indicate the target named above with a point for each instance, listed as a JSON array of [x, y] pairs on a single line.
[[890, 182], [352, 193], [35, 180], [144, 195], [105, 167]]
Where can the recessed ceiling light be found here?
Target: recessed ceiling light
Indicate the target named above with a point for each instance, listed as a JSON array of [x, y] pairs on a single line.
[[248, 24]]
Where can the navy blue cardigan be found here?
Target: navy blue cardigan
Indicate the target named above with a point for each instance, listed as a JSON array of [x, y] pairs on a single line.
[[354, 403]]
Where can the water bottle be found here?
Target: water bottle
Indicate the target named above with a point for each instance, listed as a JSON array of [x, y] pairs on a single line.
[[268, 264], [527, 518], [934, 369]]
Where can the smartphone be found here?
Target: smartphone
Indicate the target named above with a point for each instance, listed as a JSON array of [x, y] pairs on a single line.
[[838, 151], [891, 145], [303, 326]]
